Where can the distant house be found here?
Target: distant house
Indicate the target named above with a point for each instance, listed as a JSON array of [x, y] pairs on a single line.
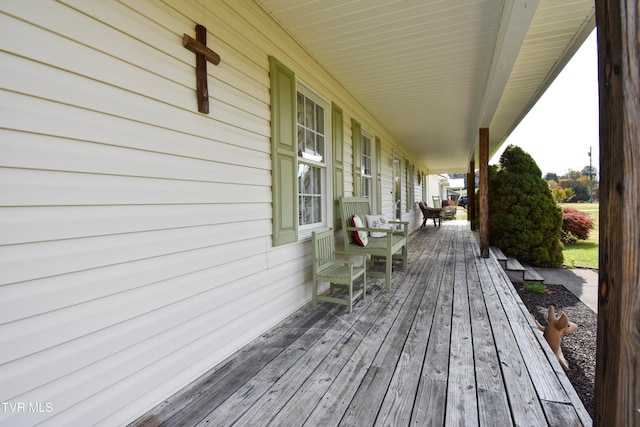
[[454, 187]]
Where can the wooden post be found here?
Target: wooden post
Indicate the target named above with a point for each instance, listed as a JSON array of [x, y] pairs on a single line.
[[471, 193], [484, 192], [617, 391]]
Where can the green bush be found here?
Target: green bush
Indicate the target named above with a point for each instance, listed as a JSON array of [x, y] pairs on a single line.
[[524, 220], [567, 238]]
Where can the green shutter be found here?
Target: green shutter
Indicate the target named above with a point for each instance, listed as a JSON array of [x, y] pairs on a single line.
[[356, 141], [378, 176], [407, 184], [337, 135], [410, 186], [283, 153]]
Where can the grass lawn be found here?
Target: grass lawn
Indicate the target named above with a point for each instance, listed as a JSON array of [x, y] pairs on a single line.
[[584, 253]]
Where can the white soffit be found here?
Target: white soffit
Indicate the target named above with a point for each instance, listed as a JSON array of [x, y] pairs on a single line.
[[434, 72]]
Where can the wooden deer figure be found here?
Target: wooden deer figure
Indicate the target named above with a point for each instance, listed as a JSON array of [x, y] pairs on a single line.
[[556, 328]]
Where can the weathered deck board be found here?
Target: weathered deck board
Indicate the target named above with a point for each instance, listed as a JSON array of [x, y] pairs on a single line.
[[400, 397], [451, 344], [462, 408], [364, 407], [492, 398], [552, 385], [526, 408], [430, 405], [222, 382]]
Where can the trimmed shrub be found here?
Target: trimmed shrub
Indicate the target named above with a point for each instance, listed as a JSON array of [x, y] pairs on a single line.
[[575, 225], [567, 238], [524, 219]]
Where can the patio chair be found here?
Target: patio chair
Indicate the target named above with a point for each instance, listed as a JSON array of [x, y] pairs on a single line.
[[434, 213], [338, 273], [449, 212]]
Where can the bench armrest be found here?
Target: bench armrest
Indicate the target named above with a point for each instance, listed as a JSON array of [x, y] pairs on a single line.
[[335, 261], [398, 222], [370, 230], [405, 226]]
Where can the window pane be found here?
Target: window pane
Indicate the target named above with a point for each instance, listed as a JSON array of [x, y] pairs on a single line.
[[319, 119], [320, 147], [304, 180], [366, 187], [304, 211], [317, 209], [366, 146], [310, 199], [317, 183], [300, 109], [300, 140], [309, 114], [309, 143], [311, 132], [366, 166]]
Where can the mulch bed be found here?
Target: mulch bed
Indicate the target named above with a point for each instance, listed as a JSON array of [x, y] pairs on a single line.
[[579, 348]]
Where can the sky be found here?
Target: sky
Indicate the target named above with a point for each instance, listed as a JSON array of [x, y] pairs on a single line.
[[563, 124]]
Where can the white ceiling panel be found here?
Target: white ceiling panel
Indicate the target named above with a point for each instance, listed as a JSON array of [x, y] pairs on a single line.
[[434, 72]]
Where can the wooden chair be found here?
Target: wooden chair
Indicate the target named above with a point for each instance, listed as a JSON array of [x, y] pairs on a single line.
[[434, 213], [449, 212], [338, 273], [436, 201]]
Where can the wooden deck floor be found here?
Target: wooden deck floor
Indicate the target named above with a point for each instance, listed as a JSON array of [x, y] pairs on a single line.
[[452, 344]]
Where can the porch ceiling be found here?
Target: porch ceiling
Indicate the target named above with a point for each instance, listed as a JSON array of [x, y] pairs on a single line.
[[434, 72]]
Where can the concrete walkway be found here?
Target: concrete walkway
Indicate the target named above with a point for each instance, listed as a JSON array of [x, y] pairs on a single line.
[[582, 282]]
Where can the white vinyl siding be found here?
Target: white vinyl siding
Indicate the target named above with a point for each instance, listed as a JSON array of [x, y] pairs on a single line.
[[133, 238], [136, 233]]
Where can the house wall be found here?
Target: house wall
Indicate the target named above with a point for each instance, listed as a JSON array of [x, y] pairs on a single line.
[[434, 188], [135, 232]]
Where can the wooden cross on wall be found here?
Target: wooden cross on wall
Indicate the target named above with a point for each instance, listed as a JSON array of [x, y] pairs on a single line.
[[203, 54]]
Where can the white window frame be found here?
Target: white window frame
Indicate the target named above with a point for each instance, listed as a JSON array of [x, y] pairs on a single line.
[[305, 230], [370, 157]]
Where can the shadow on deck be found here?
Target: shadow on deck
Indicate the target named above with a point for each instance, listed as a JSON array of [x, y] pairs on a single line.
[[452, 344]]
